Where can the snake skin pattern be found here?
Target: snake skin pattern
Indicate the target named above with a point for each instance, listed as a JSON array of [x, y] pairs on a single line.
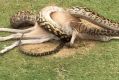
[[90, 15], [45, 21], [22, 19]]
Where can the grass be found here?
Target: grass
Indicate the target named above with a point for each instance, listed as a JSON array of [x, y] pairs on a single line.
[[100, 63]]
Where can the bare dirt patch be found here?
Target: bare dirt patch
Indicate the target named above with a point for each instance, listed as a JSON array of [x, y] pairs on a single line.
[[80, 47]]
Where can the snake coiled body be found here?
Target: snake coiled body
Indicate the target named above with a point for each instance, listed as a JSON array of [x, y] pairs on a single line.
[[45, 21]]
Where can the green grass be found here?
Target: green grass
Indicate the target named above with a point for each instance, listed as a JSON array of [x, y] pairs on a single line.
[[100, 63]]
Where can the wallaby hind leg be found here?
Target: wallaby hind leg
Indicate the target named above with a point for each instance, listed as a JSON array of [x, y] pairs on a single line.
[[38, 32], [32, 41], [16, 30], [18, 35], [14, 36], [26, 36], [28, 32]]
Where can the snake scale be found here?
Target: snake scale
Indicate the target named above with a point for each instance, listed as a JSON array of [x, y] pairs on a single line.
[[45, 21], [22, 19]]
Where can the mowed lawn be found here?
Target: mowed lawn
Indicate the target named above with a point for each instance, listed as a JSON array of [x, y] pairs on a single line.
[[99, 63]]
